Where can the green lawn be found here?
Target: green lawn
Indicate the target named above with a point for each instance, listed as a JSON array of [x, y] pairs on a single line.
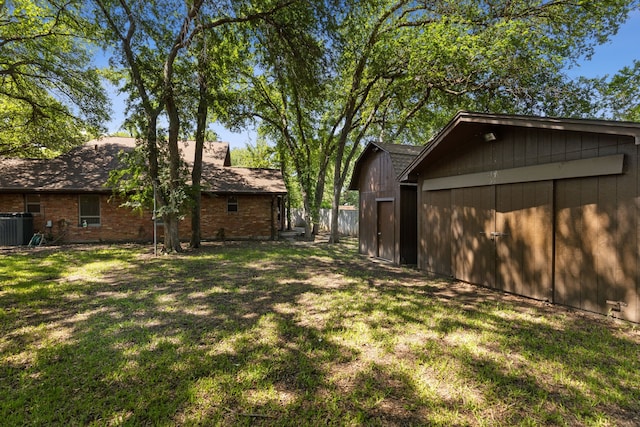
[[293, 334]]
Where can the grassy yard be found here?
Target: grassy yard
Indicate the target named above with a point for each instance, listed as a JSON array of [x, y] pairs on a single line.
[[293, 334]]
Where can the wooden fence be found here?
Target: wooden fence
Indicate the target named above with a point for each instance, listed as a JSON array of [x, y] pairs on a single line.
[[347, 220]]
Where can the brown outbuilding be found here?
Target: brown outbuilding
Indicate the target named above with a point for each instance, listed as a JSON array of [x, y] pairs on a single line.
[[541, 207], [387, 213]]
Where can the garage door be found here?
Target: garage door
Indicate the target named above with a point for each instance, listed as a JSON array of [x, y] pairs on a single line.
[[524, 238], [502, 237], [472, 222]]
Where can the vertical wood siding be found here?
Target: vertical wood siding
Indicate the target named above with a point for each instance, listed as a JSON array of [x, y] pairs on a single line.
[[573, 241], [376, 182], [435, 232]]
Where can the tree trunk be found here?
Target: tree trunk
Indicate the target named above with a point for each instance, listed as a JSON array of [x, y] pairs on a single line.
[[196, 173], [196, 235], [288, 209], [319, 193], [308, 218], [172, 240], [339, 178], [171, 237], [334, 236]]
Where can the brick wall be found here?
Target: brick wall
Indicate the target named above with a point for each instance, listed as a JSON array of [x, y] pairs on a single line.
[[253, 220], [12, 202], [116, 223]]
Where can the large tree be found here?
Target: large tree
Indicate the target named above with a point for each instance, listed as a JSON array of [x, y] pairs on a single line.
[[151, 42], [216, 56], [397, 69], [284, 92], [419, 63], [51, 97], [146, 38]]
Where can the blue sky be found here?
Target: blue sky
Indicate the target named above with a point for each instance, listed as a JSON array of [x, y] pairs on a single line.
[[616, 54], [619, 52]]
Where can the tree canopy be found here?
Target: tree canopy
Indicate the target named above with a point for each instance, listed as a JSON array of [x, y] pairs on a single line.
[[318, 79], [396, 71], [51, 97]]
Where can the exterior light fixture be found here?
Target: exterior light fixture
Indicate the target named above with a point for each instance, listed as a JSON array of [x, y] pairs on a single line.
[[489, 136]]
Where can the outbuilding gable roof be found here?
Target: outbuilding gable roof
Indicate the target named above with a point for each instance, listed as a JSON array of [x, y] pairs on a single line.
[[465, 125], [401, 156], [86, 169]]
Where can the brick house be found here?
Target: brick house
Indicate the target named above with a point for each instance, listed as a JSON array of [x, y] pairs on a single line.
[[70, 202]]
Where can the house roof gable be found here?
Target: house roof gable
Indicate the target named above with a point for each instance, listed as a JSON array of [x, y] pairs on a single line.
[[86, 169]]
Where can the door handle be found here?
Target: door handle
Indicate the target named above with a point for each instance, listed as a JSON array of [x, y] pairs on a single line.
[[496, 234]]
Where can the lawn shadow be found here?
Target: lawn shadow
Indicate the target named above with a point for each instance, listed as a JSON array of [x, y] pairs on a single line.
[[290, 334]]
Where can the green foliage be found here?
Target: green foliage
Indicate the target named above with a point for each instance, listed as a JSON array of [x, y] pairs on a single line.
[[284, 92], [397, 72], [503, 57], [51, 98], [320, 78], [621, 94], [133, 184], [260, 155]]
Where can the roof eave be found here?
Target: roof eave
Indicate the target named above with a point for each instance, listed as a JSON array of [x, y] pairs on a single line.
[[568, 125], [609, 127], [245, 193], [55, 190]]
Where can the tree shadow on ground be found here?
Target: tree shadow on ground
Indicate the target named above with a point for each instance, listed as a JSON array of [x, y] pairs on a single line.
[[297, 334]]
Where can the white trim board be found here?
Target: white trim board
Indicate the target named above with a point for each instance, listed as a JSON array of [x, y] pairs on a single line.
[[596, 166]]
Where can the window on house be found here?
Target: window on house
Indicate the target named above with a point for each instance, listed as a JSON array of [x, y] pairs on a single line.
[[89, 210], [32, 203], [232, 204]]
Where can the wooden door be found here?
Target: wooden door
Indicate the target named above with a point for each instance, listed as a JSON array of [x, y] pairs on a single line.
[[435, 237], [472, 222], [523, 238], [385, 232], [502, 237]]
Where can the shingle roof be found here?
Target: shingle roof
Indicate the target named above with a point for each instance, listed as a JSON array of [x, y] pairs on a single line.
[[401, 156], [243, 180], [86, 169]]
